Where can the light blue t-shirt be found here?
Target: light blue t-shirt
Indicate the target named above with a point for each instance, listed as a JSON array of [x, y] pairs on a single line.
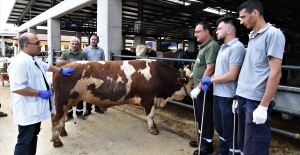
[[231, 54], [268, 42], [94, 54]]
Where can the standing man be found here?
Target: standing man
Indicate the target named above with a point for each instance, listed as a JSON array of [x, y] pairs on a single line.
[[204, 66], [229, 61], [93, 53], [74, 54], [2, 114], [258, 79], [31, 95]]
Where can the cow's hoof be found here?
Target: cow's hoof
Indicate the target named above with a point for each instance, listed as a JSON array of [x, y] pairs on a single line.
[[58, 144], [154, 132], [63, 133]]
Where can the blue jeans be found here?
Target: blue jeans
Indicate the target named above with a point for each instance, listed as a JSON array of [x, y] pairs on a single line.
[[253, 139], [208, 123], [27, 139], [224, 123]]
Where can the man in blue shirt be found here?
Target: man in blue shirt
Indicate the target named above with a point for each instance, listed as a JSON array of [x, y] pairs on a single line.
[[93, 53], [258, 79], [229, 61]]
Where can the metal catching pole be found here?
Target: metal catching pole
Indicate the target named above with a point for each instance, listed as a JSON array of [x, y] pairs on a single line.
[[74, 120], [200, 138], [233, 137], [196, 124]]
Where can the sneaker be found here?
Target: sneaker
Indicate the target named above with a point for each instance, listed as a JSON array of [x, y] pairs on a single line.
[[206, 148], [3, 114], [68, 118], [87, 113], [81, 117], [99, 111]]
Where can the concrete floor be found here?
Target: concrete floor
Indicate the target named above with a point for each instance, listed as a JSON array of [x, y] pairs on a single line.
[[112, 133]]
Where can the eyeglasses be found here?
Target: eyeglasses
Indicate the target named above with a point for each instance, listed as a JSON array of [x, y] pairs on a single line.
[[198, 31], [38, 43]]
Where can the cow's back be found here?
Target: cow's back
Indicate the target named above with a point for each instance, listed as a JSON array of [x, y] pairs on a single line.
[[116, 82]]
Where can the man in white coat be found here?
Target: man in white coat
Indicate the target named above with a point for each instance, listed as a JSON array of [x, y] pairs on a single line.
[[31, 96]]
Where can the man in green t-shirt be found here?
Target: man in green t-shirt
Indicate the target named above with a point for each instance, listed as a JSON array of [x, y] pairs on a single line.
[[74, 54], [204, 66]]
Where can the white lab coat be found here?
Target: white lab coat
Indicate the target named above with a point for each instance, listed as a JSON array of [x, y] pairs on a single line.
[[24, 73]]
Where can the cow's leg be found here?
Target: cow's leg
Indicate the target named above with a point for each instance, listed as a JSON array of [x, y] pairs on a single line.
[[56, 126], [152, 126], [62, 131]]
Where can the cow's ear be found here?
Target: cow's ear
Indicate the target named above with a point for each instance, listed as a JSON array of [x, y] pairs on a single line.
[[149, 50], [132, 49], [186, 80]]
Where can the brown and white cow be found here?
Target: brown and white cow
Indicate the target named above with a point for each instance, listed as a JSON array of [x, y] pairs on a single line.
[[144, 82], [142, 50]]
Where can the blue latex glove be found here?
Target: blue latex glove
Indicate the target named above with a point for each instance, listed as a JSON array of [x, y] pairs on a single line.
[[206, 82], [45, 94], [73, 60], [67, 71]]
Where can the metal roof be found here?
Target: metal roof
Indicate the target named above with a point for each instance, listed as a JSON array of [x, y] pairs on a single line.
[[167, 18]]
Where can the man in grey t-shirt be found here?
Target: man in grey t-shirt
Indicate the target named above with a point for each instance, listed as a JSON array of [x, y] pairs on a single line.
[[258, 79], [93, 53], [229, 61]]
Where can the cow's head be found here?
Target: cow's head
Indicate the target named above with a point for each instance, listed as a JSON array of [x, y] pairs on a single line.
[[183, 79], [142, 50], [186, 81]]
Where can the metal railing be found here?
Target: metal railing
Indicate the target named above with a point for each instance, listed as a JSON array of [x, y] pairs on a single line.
[[285, 93]]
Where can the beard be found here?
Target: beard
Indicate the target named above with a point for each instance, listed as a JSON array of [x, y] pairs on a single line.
[[221, 38], [74, 49]]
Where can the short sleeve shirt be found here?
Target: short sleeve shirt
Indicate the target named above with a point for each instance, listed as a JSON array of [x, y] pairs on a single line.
[[268, 42], [67, 55], [94, 54], [231, 54], [207, 54]]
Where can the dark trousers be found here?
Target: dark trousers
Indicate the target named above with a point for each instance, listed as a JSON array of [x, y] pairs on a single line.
[[89, 107], [224, 123], [27, 139], [208, 124], [253, 139], [79, 109]]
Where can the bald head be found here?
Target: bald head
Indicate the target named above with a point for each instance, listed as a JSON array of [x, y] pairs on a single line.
[[30, 44], [24, 39]]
